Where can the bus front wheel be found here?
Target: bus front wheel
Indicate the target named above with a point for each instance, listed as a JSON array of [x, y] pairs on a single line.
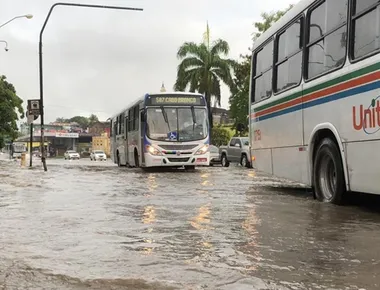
[[328, 177]]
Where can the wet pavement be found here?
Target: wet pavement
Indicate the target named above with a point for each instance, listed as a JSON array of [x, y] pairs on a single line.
[[92, 225]]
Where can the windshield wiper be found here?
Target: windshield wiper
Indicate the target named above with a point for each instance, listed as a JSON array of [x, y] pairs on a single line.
[[165, 117], [193, 115]]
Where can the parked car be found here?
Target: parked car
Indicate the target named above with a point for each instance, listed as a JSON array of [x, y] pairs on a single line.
[[71, 154], [98, 155], [214, 155], [237, 150]]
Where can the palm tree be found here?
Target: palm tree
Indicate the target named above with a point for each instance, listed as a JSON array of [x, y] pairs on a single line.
[[203, 68]]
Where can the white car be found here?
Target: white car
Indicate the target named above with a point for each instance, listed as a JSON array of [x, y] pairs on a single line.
[[71, 154], [98, 155]]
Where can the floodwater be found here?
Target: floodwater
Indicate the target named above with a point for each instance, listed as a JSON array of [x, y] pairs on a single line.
[[92, 225]]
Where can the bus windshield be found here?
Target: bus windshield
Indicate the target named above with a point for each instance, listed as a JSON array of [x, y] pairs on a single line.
[[177, 124]]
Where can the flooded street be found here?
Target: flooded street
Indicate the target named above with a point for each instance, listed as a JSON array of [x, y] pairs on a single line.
[[92, 225]]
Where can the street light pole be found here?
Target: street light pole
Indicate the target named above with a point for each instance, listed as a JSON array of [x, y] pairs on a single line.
[[43, 157], [27, 16]]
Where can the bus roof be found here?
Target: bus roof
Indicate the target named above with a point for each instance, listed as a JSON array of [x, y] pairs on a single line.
[[141, 99], [292, 13]]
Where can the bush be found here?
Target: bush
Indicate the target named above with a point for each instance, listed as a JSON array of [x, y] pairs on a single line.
[[220, 136]]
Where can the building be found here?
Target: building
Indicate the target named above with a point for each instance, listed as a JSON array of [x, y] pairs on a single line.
[[102, 142], [221, 116], [99, 128]]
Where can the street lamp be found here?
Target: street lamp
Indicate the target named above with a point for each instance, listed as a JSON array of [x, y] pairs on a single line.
[[6, 44], [43, 157], [27, 16]]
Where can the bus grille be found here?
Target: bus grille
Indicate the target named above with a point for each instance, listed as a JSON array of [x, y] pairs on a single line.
[[178, 159], [177, 147]]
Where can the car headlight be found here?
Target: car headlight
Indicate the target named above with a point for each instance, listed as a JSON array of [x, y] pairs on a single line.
[[202, 150], [153, 150]]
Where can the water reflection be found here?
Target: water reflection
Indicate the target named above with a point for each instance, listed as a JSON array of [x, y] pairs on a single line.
[[206, 180], [251, 247], [148, 218], [202, 223], [152, 184], [202, 220]]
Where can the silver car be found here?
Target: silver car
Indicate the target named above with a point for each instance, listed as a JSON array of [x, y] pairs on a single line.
[[214, 155]]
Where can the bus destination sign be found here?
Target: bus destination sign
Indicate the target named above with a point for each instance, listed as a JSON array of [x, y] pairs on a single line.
[[176, 100]]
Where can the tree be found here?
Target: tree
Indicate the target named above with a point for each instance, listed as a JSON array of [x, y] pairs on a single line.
[[82, 121], [239, 103], [61, 120], [92, 120], [239, 109], [220, 136], [268, 20], [10, 109], [203, 68]]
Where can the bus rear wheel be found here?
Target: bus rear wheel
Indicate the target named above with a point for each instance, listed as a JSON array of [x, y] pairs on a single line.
[[328, 177], [137, 159], [118, 159]]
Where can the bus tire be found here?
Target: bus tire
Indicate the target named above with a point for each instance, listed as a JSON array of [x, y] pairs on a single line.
[[224, 161], [118, 159], [137, 159], [328, 176]]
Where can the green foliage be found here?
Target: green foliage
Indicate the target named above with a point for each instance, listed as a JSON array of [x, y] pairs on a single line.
[[203, 68], [92, 119], [83, 122], [239, 100], [220, 136], [268, 20], [239, 109], [10, 109]]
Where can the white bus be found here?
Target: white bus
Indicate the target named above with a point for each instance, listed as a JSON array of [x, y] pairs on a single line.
[[315, 97], [162, 130]]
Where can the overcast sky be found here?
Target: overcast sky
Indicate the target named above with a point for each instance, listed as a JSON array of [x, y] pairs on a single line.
[[97, 61]]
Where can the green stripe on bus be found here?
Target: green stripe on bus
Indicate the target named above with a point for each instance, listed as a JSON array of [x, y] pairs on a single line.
[[330, 83]]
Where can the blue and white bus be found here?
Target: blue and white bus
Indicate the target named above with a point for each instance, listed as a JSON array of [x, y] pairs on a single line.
[[162, 130]]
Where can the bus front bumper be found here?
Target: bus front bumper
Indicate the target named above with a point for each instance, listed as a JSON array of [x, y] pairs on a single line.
[[177, 161]]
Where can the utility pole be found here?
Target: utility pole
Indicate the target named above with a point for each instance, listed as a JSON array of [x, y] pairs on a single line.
[[43, 157], [31, 146], [32, 113]]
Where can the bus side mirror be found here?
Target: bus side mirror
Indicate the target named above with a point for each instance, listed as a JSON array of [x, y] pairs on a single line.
[[142, 116]]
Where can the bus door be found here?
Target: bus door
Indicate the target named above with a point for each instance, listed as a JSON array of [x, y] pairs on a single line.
[[126, 144], [114, 135], [142, 134]]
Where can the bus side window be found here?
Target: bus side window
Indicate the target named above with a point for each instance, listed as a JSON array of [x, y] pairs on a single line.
[[288, 67], [366, 34], [136, 117], [130, 120], [121, 118], [327, 37], [262, 79]]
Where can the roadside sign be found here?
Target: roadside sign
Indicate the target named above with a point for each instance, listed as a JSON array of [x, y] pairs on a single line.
[[31, 117], [34, 107]]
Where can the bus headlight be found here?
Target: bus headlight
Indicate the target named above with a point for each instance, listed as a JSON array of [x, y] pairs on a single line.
[[202, 150], [153, 150]]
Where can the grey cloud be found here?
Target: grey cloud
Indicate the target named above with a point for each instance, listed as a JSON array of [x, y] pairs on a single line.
[[98, 61]]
